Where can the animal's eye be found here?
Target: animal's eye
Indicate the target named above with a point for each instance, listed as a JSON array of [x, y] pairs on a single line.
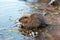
[[25, 17]]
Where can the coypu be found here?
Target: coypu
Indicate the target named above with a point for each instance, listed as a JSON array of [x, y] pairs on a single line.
[[45, 31], [32, 23]]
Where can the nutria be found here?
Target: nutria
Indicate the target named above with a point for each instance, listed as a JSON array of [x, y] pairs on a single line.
[[36, 23], [32, 23], [35, 20]]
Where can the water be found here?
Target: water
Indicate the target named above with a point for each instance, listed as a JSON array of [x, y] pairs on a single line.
[[9, 12]]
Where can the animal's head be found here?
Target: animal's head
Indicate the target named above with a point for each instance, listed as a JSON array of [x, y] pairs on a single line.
[[24, 19]]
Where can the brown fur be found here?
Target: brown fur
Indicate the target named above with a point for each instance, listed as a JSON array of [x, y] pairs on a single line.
[[52, 32], [34, 20], [31, 23]]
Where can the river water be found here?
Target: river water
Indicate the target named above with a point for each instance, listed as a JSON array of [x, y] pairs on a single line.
[[9, 12]]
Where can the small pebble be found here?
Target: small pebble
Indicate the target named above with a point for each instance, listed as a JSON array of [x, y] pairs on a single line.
[[36, 32], [30, 34]]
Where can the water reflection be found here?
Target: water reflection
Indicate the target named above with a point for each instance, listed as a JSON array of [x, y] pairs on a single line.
[[9, 12]]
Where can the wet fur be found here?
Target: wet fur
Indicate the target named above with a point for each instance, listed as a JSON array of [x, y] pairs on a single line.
[[33, 21], [36, 22]]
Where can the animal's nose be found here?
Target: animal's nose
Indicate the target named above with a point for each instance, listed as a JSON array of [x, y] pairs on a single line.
[[19, 20]]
